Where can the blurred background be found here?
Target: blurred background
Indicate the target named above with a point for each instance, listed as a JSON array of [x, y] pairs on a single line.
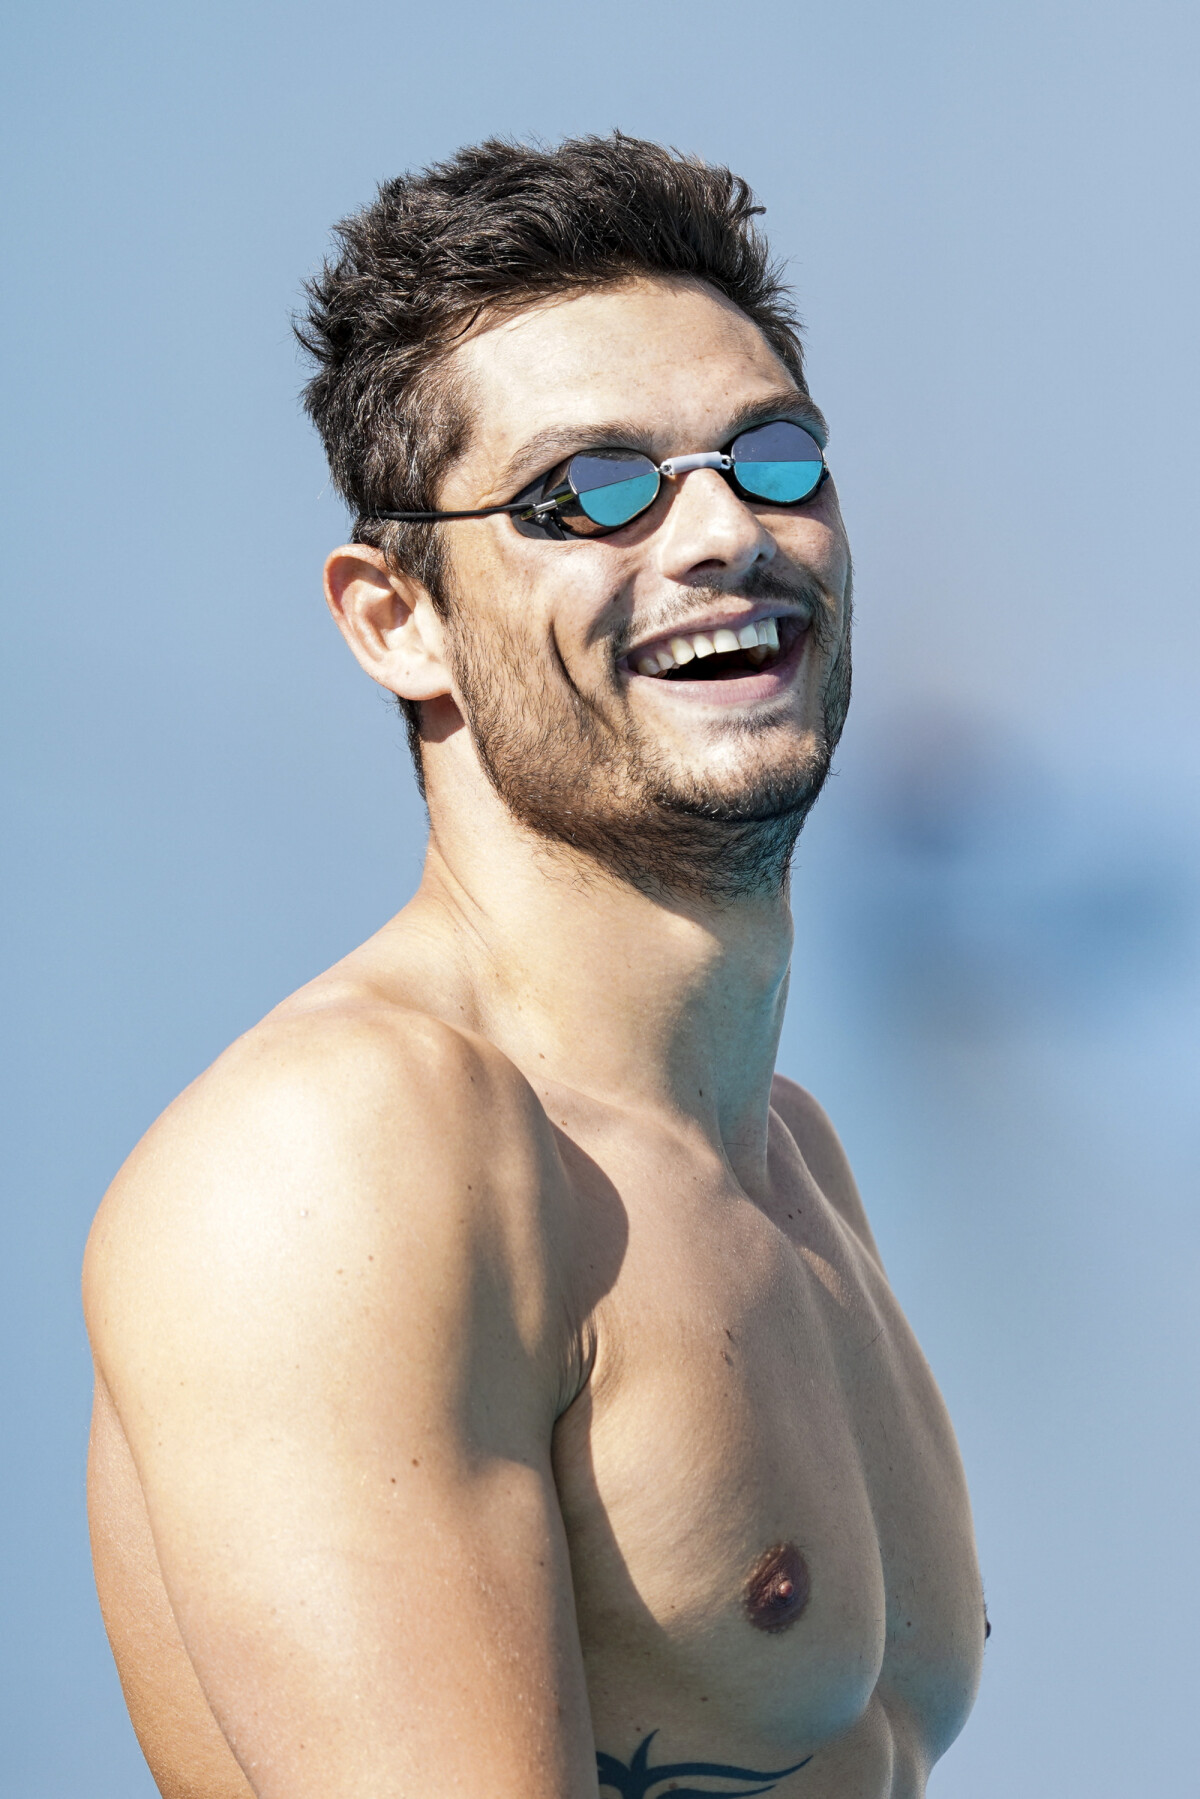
[[989, 212]]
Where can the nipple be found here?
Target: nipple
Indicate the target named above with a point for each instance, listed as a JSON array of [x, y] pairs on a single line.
[[778, 1588]]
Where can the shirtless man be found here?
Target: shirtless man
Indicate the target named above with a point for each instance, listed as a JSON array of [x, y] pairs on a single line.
[[499, 1393]]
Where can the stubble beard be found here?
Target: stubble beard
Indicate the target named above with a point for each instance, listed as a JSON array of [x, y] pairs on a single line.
[[568, 774]]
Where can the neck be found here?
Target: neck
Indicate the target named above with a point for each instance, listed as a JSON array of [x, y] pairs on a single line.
[[653, 1005]]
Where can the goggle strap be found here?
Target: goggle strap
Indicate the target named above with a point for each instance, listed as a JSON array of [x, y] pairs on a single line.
[[432, 518]]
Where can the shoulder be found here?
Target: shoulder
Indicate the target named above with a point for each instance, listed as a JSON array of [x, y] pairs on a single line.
[[351, 1135], [360, 1090], [819, 1144]]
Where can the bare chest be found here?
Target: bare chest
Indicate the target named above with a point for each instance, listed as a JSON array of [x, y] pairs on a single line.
[[760, 1412]]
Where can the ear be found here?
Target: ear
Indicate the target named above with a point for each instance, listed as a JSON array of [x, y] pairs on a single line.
[[389, 622]]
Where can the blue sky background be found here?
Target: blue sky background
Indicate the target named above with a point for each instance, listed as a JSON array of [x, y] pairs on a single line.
[[990, 215]]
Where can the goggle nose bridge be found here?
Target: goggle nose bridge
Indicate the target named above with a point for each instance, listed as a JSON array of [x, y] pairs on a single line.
[[683, 465]]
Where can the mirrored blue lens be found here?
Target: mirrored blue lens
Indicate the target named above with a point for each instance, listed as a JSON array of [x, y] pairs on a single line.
[[612, 490], [780, 461]]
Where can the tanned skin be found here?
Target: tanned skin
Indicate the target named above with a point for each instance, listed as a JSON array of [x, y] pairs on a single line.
[[498, 1389]]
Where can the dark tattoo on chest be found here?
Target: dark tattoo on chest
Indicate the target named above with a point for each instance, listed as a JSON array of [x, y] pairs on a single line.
[[634, 1779]]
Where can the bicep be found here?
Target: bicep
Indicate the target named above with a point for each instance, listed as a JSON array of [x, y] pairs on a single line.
[[358, 1630], [341, 1421]]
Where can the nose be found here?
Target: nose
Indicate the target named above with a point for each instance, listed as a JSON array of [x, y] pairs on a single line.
[[708, 531]]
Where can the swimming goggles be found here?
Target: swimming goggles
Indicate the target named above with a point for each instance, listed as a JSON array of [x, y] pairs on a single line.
[[600, 490]]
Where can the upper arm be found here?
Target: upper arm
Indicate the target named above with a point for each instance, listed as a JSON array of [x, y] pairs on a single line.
[[823, 1154], [325, 1303]]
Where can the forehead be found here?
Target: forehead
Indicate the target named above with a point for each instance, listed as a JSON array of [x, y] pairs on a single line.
[[675, 354]]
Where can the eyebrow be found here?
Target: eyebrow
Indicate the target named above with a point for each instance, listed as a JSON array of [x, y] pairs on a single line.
[[553, 445]]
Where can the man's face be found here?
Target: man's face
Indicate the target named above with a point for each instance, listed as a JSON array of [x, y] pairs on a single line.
[[696, 779]]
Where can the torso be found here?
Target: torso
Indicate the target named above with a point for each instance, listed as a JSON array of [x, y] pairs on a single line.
[[753, 1388], [756, 1387]]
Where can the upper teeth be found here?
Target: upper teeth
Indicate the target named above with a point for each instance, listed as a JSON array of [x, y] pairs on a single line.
[[761, 636]]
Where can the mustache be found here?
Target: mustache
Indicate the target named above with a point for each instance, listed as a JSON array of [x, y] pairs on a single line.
[[756, 585]]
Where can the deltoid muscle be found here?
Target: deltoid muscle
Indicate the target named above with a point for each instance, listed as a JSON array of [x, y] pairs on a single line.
[[634, 1780]]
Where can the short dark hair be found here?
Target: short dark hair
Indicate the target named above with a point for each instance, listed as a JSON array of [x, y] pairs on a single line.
[[494, 229]]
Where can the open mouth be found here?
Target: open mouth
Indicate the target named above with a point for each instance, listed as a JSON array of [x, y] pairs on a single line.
[[724, 655]]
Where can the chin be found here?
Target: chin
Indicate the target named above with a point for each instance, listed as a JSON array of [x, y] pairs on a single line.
[[743, 783]]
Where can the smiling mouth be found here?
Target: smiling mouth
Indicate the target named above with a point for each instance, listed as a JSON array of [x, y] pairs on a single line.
[[724, 655]]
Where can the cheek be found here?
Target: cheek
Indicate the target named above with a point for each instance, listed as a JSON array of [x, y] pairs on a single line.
[[473, 561], [837, 544], [491, 595], [819, 544], [816, 546], [511, 632], [555, 601]]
